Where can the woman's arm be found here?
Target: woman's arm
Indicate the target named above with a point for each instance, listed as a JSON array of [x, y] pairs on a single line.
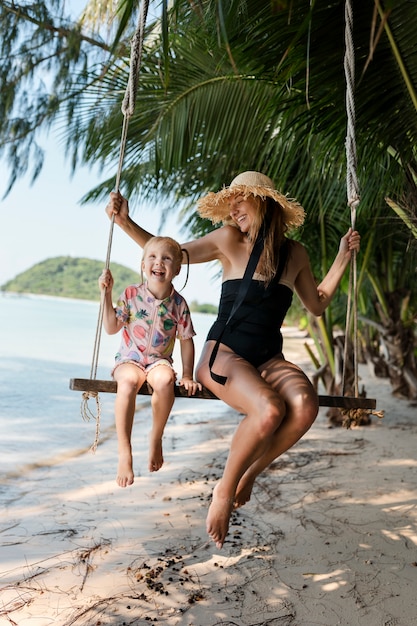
[[207, 248], [200, 250], [119, 207], [316, 298]]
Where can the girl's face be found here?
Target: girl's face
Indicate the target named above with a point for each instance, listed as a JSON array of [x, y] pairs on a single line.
[[243, 211], [159, 264]]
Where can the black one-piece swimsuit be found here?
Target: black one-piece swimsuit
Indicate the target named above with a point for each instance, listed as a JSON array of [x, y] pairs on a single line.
[[254, 333]]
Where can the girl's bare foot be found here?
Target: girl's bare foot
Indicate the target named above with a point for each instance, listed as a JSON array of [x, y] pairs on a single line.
[[243, 492], [218, 517], [125, 475], [156, 459]]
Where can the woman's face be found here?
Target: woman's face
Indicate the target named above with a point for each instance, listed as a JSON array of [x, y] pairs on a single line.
[[243, 211]]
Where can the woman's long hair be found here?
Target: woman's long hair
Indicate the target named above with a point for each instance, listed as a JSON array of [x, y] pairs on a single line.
[[269, 217]]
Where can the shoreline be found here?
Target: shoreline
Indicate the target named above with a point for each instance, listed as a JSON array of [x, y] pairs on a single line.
[[29, 295]]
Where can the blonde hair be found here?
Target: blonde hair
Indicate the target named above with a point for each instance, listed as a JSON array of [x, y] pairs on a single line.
[[170, 243]]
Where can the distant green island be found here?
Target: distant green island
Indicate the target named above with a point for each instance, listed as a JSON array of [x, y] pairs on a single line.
[[69, 277]]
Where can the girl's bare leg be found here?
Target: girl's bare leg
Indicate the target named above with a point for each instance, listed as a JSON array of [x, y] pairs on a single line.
[[129, 380], [302, 406], [162, 380], [264, 410]]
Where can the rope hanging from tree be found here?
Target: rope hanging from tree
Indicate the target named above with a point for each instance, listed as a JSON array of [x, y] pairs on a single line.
[[128, 107], [353, 415]]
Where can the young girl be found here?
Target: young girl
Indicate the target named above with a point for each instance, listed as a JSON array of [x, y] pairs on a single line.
[[242, 362], [151, 315]]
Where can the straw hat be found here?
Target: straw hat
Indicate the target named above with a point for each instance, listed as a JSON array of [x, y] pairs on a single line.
[[215, 206]]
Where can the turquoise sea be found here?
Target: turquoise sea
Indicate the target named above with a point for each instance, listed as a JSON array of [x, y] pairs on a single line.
[[44, 342]]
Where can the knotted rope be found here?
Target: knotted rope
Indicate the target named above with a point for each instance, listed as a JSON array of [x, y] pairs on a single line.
[[128, 107], [352, 416]]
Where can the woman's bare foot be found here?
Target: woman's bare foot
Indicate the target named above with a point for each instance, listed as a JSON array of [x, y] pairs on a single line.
[[243, 492], [125, 475], [156, 459], [218, 517]]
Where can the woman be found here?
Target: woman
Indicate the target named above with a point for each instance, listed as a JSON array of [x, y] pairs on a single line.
[[242, 361]]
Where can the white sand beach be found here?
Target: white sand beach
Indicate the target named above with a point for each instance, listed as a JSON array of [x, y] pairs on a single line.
[[329, 537]]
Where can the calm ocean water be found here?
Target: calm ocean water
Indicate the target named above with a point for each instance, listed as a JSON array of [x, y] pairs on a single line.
[[44, 342]]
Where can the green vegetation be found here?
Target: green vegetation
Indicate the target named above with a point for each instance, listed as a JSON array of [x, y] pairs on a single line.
[[195, 307], [68, 277]]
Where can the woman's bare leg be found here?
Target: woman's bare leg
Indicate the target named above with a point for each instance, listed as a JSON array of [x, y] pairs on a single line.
[[129, 380], [162, 380], [302, 406], [264, 410]]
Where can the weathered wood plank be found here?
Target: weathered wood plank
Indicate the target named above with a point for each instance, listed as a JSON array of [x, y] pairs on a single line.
[[110, 386]]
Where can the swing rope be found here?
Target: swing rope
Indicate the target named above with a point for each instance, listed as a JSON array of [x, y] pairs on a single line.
[[354, 416], [128, 107]]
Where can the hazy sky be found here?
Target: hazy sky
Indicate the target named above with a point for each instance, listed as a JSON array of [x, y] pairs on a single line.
[[46, 220]]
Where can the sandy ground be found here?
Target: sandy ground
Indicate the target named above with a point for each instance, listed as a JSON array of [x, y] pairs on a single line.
[[328, 538]]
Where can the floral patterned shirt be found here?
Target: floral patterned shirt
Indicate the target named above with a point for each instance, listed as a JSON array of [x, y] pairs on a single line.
[[151, 325]]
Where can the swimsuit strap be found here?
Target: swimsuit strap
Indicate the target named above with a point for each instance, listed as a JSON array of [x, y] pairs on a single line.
[[243, 289]]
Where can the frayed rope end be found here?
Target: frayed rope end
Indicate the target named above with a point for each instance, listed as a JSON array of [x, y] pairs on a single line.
[[87, 414], [359, 417]]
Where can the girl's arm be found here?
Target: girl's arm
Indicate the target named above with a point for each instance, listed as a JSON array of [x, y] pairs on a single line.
[[187, 357], [316, 298], [111, 323]]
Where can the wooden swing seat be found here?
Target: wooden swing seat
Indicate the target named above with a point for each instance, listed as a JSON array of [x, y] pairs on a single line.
[[110, 386]]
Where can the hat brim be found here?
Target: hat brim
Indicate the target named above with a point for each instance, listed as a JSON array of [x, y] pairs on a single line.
[[215, 206]]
